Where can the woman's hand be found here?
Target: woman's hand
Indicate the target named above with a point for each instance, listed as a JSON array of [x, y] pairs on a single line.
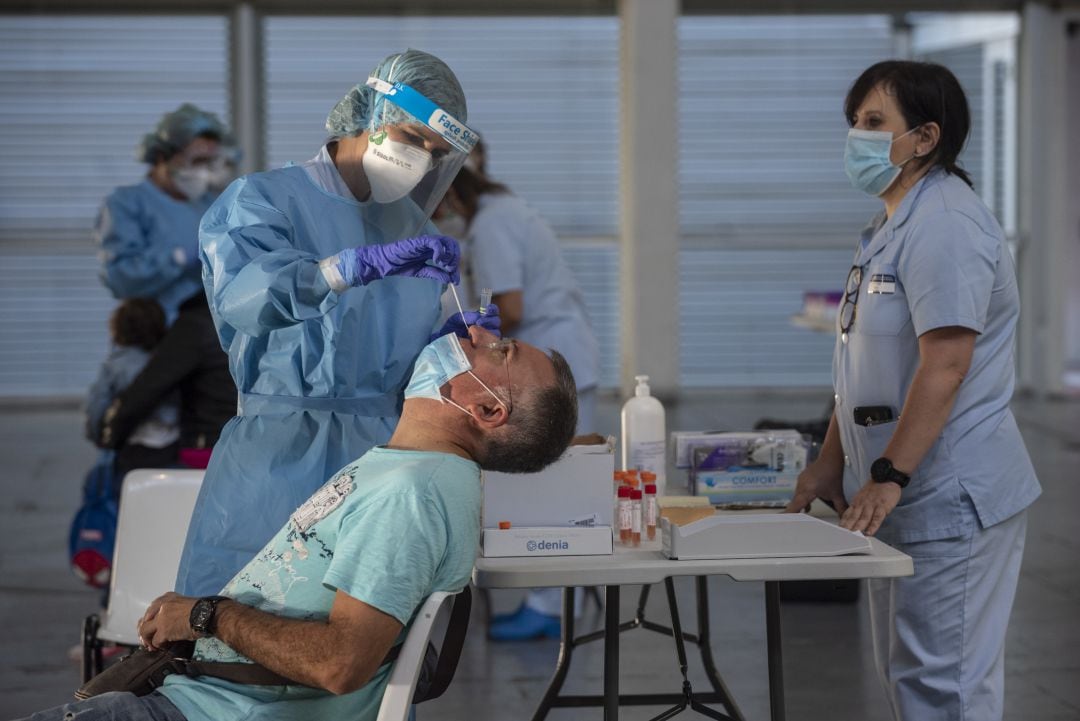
[[870, 506], [819, 480]]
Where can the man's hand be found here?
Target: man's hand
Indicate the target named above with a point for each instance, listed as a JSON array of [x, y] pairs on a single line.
[[818, 482], [870, 506], [167, 619]]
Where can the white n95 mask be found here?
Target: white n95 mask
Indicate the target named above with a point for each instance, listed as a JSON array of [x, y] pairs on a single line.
[[192, 182], [438, 362], [393, 168]]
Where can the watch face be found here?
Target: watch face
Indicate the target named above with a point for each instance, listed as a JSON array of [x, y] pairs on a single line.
[[201, 614], [879, 471]]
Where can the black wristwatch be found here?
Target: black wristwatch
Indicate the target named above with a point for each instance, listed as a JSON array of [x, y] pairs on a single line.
[[202, 615], [883, 471]]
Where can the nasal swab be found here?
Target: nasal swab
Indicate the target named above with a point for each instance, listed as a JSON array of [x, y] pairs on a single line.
[[461, 310]]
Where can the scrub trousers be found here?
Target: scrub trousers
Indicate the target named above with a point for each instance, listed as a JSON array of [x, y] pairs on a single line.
[[939, 636]]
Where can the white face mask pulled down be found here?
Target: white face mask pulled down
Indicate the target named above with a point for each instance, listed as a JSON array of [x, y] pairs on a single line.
[[440, 361], [393, 168]]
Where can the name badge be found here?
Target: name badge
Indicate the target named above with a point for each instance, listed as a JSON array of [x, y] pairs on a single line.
[[882, 284]]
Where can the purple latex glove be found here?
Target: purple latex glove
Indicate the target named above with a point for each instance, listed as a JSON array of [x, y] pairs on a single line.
[[489, 321], [408, 257]]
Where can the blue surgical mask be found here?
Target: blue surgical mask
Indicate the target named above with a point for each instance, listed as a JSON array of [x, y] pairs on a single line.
[[867, 161], [438, 362]]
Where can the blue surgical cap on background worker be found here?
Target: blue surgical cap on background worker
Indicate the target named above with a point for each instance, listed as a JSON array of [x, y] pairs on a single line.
[[148, 232], [323, 299]]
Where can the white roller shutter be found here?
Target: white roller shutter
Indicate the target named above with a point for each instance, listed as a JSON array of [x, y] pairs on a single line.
[[542, 91], [76, 95], [766, 209]]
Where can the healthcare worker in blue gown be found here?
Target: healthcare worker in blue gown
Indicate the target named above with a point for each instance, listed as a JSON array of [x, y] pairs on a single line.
[[324, 281], [922, 449], [149, 232]]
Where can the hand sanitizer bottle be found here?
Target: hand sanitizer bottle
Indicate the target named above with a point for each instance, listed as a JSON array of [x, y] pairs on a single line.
[[643, 444]]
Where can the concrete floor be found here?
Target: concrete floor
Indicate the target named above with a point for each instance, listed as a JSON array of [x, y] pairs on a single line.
[[828, 669]]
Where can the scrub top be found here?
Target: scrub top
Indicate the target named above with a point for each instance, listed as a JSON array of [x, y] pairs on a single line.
[[149, 244], [320, 374], [511, 248], [940, 261]]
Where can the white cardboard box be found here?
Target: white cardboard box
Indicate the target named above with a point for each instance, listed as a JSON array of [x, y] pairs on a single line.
[[595, 541], [577, 489]]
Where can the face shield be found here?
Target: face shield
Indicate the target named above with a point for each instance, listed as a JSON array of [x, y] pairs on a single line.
[[415, 148]]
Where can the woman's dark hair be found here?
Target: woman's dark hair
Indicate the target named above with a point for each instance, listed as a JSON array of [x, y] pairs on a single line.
[[926, 93], [138, 322], [469, 186]]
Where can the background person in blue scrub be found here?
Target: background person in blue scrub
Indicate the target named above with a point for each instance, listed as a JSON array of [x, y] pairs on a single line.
[[149, 232], [323, 291], [510, 249], [922, 449]]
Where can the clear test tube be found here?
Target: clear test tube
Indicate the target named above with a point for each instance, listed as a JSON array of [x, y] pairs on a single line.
[[485, 299]]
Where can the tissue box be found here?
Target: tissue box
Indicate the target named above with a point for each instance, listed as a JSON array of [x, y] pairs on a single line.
[[595, 541], [757, 469], [575, 490]]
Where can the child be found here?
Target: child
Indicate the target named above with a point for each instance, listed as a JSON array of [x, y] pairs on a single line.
[[136, 326]]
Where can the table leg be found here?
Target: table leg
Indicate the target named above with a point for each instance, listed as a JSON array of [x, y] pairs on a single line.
[[611, 654], [776, 660], [562, 666], [705, 647]]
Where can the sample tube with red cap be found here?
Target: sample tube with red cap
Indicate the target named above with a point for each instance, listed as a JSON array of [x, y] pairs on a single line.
[[650, 510], [625, 515], [635, 517]]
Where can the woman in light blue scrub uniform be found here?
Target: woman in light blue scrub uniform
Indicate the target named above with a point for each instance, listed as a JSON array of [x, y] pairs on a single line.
[[922, 449], [324, 282], [149, 232]]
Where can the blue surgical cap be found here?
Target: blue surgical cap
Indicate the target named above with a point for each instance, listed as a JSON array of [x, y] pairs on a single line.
[[363, 107], [176, 130]]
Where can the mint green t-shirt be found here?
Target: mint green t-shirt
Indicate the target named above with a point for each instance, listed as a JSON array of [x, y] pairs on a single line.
[[389, 529]]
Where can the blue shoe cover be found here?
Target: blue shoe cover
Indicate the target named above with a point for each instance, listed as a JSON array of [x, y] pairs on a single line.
[[525, 624]]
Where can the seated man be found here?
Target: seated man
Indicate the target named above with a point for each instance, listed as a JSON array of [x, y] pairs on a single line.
[[331, 593]]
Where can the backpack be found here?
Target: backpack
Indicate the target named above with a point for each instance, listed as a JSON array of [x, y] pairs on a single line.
[[93, 530]]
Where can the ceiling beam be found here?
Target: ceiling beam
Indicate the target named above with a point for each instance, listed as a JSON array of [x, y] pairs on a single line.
[[511, 7]]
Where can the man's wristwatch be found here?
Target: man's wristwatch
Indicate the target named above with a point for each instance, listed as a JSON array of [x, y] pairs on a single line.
[[202, 618], [883, 471]]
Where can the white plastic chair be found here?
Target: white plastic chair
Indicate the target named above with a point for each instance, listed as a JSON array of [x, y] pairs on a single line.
[[155, 509], [405, 674]]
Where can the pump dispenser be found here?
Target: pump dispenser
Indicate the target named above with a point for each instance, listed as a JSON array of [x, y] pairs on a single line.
[[643, 445]]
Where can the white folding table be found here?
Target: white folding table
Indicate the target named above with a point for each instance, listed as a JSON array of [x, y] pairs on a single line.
[[646, 565]]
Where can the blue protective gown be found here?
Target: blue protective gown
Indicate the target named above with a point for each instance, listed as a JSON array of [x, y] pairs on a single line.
[[320, 374], [150, 245]]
